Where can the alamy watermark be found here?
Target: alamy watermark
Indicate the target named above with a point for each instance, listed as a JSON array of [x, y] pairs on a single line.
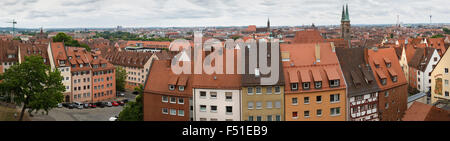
[[182, 62]]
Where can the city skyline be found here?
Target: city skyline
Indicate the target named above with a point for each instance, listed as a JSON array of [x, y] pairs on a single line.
[[197, 13]]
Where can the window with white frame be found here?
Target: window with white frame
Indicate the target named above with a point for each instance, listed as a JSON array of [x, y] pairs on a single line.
[[202, 108], [181, 88], [165, 99], [269, 90], [335, 111], [250, 90], [269, 104], [334, 83], [173, 100], [181, 113], [213, 109], [202, 94], [306, 114], [229, 110], [277, 89], [171, 87], [213, 95], [334, 98], [277, 104], [258, 105], [258, 90], [306, 86], [250, 105], [180, 100], [165, 111], [294, 101], [173, 112], [306, 100], [228, 96], [294, 86]]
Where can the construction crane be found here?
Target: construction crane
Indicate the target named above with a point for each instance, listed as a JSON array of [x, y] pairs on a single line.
[[14, 22]]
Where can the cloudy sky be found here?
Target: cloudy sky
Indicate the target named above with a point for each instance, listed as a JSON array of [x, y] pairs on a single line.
[[170, 13]]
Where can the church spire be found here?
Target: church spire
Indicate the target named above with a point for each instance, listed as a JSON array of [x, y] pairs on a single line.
[[346, 13], [343, 13]]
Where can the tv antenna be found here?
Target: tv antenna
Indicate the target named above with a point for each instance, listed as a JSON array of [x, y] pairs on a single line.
[[14, 22]]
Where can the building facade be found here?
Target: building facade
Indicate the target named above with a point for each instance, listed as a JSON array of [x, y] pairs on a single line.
[[440, 78]]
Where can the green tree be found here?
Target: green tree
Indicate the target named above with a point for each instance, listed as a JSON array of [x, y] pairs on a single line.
[[33, 85], [60, 37], [446, 30], [438, 36], [133, 111], [121, 75]]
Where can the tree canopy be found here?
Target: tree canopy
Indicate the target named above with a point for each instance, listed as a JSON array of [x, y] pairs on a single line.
[[121, 75], [133, 111], [33, 85], [68, 41]]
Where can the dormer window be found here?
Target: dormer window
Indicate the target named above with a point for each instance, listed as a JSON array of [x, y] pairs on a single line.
[[62, 62], [388, 65], [181, 88], [318, 84], [11, 56], [171, 87], [383, 81], [306, 86], [294, 86], [81, 65], [377, 66], [394, 79], [334, 83]]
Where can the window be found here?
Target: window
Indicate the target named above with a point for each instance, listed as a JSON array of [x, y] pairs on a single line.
[[388, 65], [335, 111], [446, 93], [306, 86], [165, 111], [258, 118], [383, 81], [202, 119], [269, 117], [268, 90], [250, 105], [228, 96], [250, 90], [173, 112], [306, 114], [258, 105], [277, 118], [202, 94], [277, 104], [258, 90], [294, 114], [319, 99], [277, 90], [394, 79], [294, 101], [269, 104], [171, 87], [386, 105], [202, 108], [229, 110], [180, 100], [318, 85], [250, 118], [386, 94], [165, 99], [294, 86], [319, 112], [213, 109], [306, 100], [213, 95], [181, 113], [181, 88], [446, 70], [173, 100], [435, 59], [446, 82], [334, 83], [334, 98]]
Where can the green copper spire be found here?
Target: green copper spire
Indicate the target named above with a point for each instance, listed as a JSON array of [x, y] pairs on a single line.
[[347, 16], [343, 13]]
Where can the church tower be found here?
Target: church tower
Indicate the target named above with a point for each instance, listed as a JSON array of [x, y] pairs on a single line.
[[345, 24], [268, 25]]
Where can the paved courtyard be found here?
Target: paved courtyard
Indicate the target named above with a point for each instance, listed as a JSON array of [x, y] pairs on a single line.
[[65, 114]]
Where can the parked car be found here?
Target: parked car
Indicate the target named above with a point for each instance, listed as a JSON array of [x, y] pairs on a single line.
[[78, 105], [86, 105], [66, 105], [71, 106], [109, 104], [100, 104], [125, 101], [121, 103], [120, 94], [114, 103], [135, 92], [92, 105], [60, 105]]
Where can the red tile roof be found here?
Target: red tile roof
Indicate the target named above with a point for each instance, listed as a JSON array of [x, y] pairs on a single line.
[[382, 72], [308, 36], [423, 112]]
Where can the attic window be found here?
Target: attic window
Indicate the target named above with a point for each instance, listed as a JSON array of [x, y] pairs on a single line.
[[334, 83], [181, 88], [318, 85], [171, 87], [294, 86], [306, 86], [383, 81], [388, 65]]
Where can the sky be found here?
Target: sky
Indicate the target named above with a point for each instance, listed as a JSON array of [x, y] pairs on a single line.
[[198, 13]]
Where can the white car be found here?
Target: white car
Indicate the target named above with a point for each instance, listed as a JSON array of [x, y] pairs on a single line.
[[113, 119], [78, 105], [60, 105]]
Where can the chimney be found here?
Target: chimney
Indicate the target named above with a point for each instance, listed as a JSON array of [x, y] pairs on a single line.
[[366, 56], [257, 74], [317, 53], [333, 48]]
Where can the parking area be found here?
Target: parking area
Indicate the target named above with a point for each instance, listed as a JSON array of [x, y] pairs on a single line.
[[91, 114]]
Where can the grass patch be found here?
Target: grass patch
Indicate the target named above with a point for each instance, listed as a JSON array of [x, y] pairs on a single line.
[[7, 114]]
